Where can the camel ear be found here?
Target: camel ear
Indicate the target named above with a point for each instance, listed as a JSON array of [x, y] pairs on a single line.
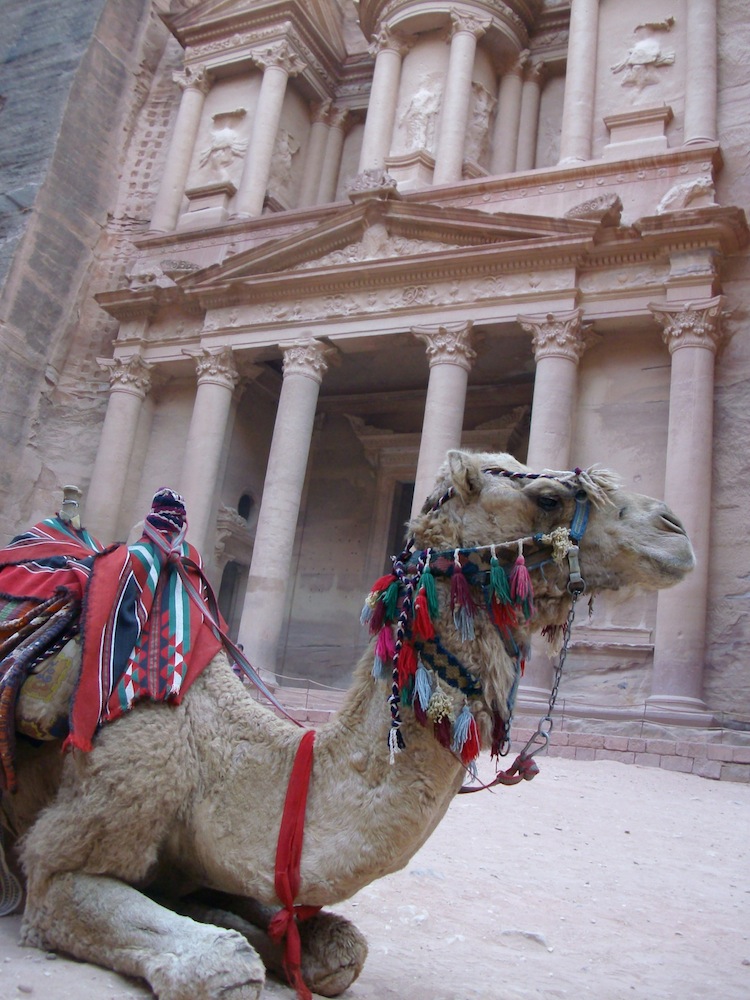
[[465, 474]]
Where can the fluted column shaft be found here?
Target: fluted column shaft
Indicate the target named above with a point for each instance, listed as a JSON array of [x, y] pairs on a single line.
[[558, 344], [381, 109], [692, 333], [329, 174], [305, 362], [701, 79], [316, 151], [279, 62], [578, 103], [449, 155], [217, 380], [528, 125], [450, 353], [509, 96], [129, 383], [195, 85]]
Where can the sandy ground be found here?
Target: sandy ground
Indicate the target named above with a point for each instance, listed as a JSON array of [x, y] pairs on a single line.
[[597, 880]]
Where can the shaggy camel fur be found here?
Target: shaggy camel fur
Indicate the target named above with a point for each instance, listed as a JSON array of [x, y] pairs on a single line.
[[177, 799]]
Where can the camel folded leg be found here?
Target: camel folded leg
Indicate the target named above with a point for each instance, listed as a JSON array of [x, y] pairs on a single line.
[[333, 950], [106, 922]]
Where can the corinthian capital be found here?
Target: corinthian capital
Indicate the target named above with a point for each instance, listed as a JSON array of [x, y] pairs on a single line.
[[131, 374], [387, 38], [279, 54], [448, 345], [193, 77], [215, 365], [560, 335], [468, 23], [310, 358], [691, 324]]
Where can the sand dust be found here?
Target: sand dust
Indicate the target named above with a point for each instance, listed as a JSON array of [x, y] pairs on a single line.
[[597, 879]]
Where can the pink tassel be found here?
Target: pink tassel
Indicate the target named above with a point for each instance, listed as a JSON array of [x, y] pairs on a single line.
[[521, 589], [385, 650]]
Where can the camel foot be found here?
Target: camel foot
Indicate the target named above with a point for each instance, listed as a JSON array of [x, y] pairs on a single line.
[[224, 968], [333, 953]]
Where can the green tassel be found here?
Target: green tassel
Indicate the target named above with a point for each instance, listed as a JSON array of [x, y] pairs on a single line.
[[390, 600], [499, 581], [427, 583]]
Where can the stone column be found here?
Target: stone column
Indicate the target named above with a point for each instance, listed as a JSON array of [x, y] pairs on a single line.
[[278, 62], [339, 120], [305, 363], [450, 353], [388, 49], [578, 103], [693, 333], [129, 383], [505, 142], [449, 154], [217, 380], [701, 76], [316, 150], [528, 126], [195, 85], [558, 343]]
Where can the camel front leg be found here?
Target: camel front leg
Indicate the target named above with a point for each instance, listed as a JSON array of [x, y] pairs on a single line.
[[104, 921]]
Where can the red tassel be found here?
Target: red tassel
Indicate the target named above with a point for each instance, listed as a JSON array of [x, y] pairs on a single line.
[[423, 627], [443, 732], [504, 616], [472, 746], [407, 664], [461, 592], [419, 713], [383, 583]]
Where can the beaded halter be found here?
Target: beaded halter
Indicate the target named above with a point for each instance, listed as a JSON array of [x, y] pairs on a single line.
[[402, 608]]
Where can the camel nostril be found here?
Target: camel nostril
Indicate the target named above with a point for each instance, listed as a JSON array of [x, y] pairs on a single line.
[[671, 523]]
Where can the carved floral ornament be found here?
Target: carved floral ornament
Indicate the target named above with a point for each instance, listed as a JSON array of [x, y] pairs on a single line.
[[280, 55], [393, 41], [448, 345], [310, 358], [692, 324], [559, 335], [131, 374], [462, 21], [215, 365], [193, 77]]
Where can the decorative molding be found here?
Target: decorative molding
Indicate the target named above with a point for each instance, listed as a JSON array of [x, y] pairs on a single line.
[[448, 344], [691, 324], [606, 209]]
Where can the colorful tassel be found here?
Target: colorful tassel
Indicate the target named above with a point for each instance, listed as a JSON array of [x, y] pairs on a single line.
[[423, 627], [465, 736], [429, 587], [462, 603], [443, 732], [395, 743], [499, 580], [385, 650], [521, 590], [373, 598], [499, 734], [422, 687], [407, 665], [390, 600]]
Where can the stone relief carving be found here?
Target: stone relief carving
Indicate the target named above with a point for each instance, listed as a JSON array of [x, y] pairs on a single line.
[[606, 209], [285, 149], [645, 57], [370, 181], [225, 147], [698, 189], [694, 324], [478, 126], [375, 244], [145, 275], [420, 117]]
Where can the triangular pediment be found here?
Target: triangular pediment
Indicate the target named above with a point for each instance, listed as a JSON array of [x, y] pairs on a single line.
[[372, 231]]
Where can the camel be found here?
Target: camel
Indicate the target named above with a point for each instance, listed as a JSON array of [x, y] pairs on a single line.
[[154, 853]]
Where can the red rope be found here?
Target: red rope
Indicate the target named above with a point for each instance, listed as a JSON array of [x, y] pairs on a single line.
[[283, 926]]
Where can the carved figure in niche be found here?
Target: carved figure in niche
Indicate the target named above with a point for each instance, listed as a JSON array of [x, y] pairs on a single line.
[[225, 146], [420, 116], [284, 151], [699, 189], [478, 127], [641, 62], [146, 274]]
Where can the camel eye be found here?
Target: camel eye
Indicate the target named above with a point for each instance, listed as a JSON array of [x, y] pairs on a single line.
[[548, 502]]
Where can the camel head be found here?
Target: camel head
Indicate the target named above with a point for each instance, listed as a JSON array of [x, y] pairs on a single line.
[[626, 539]]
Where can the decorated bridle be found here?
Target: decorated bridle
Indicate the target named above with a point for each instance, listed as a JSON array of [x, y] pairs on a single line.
[[402, 608]]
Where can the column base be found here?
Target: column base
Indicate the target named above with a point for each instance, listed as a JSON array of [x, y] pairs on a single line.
[[678, 710]]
